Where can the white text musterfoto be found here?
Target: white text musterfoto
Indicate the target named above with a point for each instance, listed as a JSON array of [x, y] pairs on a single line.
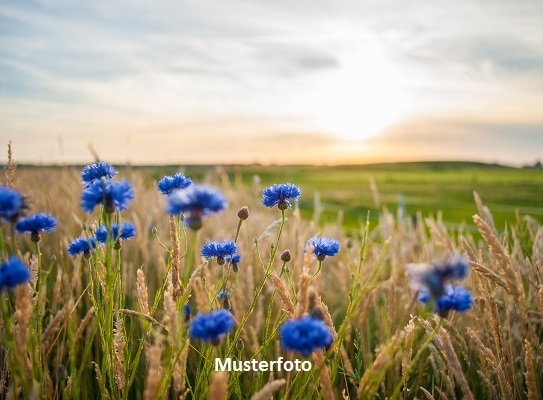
[[229, 364]]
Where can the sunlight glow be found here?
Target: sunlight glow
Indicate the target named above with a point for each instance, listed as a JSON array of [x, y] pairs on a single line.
[[363, 97]]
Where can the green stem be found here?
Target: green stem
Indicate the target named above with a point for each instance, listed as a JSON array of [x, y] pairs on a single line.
[[267, 273], [316, 272]]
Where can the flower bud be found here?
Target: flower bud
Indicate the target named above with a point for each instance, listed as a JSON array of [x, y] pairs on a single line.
[[285, 256], [243, 213]]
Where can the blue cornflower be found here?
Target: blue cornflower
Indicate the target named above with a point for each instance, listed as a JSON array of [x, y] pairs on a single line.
[[35, 224], [196, 202], [114, 196], [12, 204], [234, 261], [170, 183], [13, 272], [457, 267], [96, 171], [280, 195], [305, 335], [118, 232], [223, 294], [82, 245], [454, 298], [434, 276], [211, 327], [323, 246], [187, 312], [219, 249]]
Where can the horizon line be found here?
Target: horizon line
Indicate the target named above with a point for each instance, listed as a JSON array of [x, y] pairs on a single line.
[[537, 164]]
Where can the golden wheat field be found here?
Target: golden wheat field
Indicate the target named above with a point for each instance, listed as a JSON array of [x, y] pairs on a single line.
[[114, 325]]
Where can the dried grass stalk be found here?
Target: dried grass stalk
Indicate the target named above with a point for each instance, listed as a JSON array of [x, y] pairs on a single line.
[[303, 286], [269, 389], [170, 311], [491, 360], [202, 303], [427, 393], [119, 346], [385, 359], [324, 376], [103, 390], [48, 336], [533, 392], [193, 280], [143, 296], [219, 386], [443, 342], [180, 368], [507, 272], [83, 324], [288, 307], [408, 345], [154, 373], [176, 258]]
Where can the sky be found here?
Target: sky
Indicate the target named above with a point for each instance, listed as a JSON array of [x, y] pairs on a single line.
[[261, 81]]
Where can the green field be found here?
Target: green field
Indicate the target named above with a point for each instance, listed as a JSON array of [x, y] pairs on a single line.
[[428, 187]]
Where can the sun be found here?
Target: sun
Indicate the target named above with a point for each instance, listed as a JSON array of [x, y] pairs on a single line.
[[362, 97]]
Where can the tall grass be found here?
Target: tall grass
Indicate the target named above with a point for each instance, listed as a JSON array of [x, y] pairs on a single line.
[[114, 326]]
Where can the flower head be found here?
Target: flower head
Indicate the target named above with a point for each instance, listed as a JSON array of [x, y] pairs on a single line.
[[323, 247], [13, 272], [96, 171], [211, 327], [35, 224], [434, 276], [82, 245], [170, 183], [305, 335], [12, 204], [196, 202], [118, 232], [219, 249], [114, 196], [280, 195], [454, 298]]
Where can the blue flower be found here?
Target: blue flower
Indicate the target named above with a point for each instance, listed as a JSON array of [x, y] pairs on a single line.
[[457, 267], [170, 183], [323, 247], [434, 276], [12, 204], [123, 232], [114, 196], [97, 171], [235, 259], [35, 224], [196, 202], [82, 245], [219, 249], [305, 335], [211, 327], [13, 272], [454, 298], [223, 294], [280, 195]]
